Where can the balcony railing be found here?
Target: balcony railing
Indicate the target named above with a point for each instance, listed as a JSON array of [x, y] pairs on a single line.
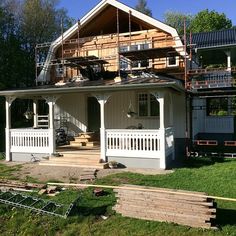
[[214, 80]]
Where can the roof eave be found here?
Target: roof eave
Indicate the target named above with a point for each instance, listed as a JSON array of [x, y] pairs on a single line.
[[90, 89]]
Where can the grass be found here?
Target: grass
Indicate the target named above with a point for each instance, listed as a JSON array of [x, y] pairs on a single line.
[[7, 172], [214, 178]]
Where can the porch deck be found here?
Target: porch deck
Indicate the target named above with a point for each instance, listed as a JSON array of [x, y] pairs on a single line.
[[72, 156]]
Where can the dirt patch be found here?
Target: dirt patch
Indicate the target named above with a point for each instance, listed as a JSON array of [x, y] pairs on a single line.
[[33, 171]]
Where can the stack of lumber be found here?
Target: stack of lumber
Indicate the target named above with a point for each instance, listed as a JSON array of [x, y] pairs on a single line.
[[193, 209]]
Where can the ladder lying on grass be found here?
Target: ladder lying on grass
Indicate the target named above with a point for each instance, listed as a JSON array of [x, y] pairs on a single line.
[[35, 204]]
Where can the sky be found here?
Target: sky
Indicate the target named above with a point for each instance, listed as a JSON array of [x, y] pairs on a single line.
[[78, 8]]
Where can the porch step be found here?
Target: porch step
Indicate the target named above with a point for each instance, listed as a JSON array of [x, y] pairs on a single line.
[[93, 144], [71, 164], [81, 140], [84, 144]]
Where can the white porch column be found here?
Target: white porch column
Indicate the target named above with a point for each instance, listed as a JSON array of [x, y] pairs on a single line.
[[9, 101], [51, 101], [228, 54], [171, 113], [35, 110], [160, 98], [102, 99]]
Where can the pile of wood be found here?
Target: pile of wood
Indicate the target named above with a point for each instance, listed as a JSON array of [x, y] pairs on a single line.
[[193, 209], [17, 185]]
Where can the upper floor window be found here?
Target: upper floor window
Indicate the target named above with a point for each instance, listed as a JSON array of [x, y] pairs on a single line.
[[172, 61], [148, 106], [126, 64]]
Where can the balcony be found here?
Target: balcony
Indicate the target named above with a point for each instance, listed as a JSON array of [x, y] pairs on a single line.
[[211, 80]]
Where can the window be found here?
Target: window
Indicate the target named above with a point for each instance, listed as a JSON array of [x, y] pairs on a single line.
[[147, 105], [126, 64], [172, 61], [220, 106]]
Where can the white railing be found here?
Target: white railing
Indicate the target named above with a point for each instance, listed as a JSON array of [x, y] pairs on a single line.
[[42, 121], [30, 140], [135, 143], [219, 124]]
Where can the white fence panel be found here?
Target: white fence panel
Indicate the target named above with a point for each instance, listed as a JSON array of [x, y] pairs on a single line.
[[137, 143], [30, 140]]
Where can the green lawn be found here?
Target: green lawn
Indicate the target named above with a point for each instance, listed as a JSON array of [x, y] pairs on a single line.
[[216, 179]]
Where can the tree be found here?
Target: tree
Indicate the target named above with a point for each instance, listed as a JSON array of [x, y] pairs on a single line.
[[176, 20], [206, 21], [142, 7], [23, 24], [41, 21]]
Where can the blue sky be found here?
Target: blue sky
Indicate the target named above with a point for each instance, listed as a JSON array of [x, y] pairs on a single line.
[[78, 8]]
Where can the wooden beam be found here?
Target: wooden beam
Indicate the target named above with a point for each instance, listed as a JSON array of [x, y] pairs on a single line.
[[172, 191]]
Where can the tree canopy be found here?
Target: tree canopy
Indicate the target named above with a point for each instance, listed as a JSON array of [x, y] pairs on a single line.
[[23, 24], [176, 20], [204, 21], [142, 7]]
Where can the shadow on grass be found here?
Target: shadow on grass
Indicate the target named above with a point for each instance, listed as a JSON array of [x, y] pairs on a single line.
[[225, 217], [198, 162]]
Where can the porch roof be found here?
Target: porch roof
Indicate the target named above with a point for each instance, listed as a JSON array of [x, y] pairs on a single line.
[[145, 82]]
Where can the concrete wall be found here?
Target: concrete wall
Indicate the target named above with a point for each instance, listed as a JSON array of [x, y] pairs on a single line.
[[137, 162], [26, 157]]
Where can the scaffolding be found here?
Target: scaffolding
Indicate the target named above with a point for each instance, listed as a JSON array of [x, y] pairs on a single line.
[[104, 51]]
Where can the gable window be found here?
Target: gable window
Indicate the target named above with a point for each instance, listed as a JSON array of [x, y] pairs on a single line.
[[148, 106], [172, 61]]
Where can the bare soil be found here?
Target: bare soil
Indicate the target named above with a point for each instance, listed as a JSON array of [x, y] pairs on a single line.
[[35, 172]]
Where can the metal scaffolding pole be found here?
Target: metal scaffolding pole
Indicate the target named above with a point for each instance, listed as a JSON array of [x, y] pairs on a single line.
[[118, 42]]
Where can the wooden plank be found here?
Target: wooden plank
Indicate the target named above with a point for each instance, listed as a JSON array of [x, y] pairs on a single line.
[[149, 190], [182, 221], [135, 193], [166, 205], [171, 210], [164, 189], [140, 211], [160, 215], [164, 199]]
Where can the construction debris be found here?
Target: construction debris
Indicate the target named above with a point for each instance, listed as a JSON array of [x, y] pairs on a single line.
[[197, 210], [35, 204], [88, 175], [50, 191], [20, 185]]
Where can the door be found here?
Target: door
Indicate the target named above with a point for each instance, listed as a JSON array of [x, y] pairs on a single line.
[[93, 114]]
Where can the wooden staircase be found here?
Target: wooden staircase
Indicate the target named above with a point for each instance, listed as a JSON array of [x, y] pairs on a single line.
[[89, 139], [83, 152], [87, 158]]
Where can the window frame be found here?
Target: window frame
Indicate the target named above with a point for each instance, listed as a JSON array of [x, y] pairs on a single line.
[[229, 107], [172, 65], [140, 46], [149, 96]]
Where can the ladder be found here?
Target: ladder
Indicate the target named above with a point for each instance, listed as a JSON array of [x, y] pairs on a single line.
[[35, 204]]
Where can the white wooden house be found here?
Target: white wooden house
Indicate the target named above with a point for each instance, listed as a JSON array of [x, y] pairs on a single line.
[[141, 117]]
